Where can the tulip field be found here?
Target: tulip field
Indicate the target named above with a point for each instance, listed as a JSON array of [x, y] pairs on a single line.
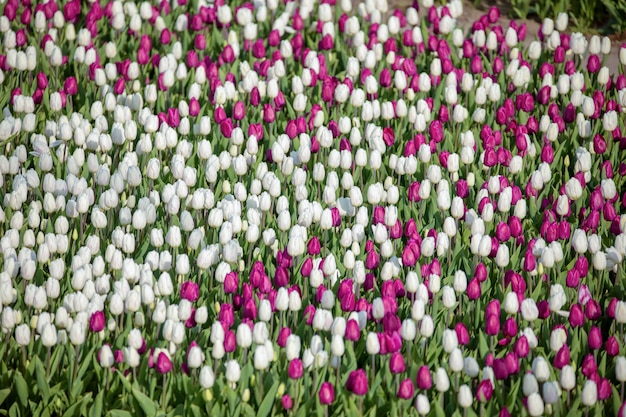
[[308, 208]]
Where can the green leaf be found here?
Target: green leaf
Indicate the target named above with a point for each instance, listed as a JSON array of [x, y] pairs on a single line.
[[119, 413], [146, 404], [268, 402], [96, 408], [42, 383], [76, 408], [4, 393], [21, 388]]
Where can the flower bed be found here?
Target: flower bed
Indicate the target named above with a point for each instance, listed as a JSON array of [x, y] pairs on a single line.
[[290, 208]]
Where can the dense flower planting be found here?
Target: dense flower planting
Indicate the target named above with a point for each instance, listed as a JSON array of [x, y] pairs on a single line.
[[273, 207]]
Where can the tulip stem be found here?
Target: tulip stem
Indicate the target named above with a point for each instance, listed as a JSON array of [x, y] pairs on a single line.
[[48, 363], [164, 393]]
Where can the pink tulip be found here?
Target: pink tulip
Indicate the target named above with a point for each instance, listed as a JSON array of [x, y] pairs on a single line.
[[189, 291]]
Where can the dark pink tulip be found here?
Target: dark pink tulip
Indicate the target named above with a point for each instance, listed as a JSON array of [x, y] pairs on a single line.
[[194, 107], [70, 86], [353, 332], [484, 391], [26, 16], [327, 393], [612, 346], [396, 363], [500, 369], [473, 289], [424, 379], [406, 390], [226, 128], [118, 355], [521, 347], [287, 402], [492, 324], [388, 136], [249, 309], [559, 55], [283, 334], [503, 232], [462, 189], [327, 43], [593, 63], [199, 42], [604, 389], [258, 49], [576, 316], [572, 279], [296, 369], [512, 363], [42, 80], [593, 310], [562, 357], [268, 114], [313, 246], [462, 334], [476, 66], [436, 131], [230, 341], [494, 14], [372, 260], [231, 282], [165, 37], [97, 321], [226, 315], [189, 291], [510, 327], [357, 382], [480, 272], [544, 309], [493, 307], [594, 340], [163, 364], [589, 366], [309, 313]]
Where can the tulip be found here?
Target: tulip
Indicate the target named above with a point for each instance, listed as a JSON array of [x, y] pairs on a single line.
[[357, 382]]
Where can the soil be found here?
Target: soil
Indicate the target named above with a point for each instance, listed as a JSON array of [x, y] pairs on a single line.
[[472, 14]]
